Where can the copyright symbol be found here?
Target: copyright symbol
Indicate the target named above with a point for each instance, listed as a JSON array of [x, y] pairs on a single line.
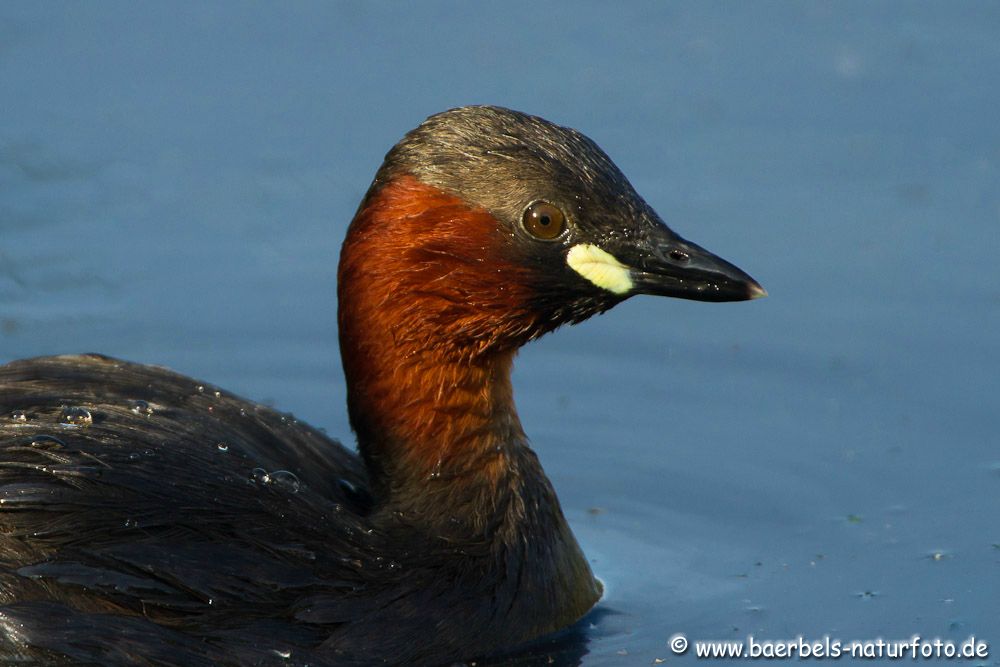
[[679, 644]]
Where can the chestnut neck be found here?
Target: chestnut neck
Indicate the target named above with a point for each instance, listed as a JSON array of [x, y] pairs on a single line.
[[433, 421], [428, 341], [428, 337]]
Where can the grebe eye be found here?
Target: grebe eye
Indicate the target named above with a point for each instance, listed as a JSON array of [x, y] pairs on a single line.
[[543, 220]]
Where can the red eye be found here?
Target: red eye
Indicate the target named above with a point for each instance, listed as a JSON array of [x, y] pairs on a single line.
[[543, 220]]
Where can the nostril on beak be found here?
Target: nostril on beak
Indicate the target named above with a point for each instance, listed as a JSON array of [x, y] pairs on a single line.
[[679, 256], [672, 254]]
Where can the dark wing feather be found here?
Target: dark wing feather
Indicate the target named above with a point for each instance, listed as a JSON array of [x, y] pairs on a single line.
[[151, 520]]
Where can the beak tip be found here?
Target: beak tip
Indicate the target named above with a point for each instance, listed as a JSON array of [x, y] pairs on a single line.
[[755, 291]]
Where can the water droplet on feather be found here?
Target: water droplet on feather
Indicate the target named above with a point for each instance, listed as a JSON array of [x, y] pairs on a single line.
[[76, 415]]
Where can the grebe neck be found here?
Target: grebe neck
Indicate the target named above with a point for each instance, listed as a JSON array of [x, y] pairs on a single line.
[[447, 455], [427, 422], [430, 318]]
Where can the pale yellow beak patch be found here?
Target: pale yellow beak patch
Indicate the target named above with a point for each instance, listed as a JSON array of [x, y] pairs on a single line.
[[600, 267]]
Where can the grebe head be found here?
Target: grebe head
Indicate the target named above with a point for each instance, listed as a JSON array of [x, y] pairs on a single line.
[[485, 228], [498, 226]]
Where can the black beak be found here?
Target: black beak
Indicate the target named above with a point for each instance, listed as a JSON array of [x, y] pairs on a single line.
[[665, 264]]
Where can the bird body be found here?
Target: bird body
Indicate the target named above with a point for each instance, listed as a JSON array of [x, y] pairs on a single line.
[[148, 518]]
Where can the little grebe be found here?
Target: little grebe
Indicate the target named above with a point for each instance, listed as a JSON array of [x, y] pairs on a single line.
[[149, 519]]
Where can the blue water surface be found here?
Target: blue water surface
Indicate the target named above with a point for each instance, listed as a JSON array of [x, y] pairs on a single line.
[[176, 179]]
